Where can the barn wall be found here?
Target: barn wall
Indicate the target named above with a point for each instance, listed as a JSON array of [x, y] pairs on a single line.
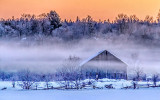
[[109, 64]]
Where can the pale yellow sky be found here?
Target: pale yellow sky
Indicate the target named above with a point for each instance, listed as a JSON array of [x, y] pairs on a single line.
[[69, 9]]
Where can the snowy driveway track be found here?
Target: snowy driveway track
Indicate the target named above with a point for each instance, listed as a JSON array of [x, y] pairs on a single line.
[[142, 94]]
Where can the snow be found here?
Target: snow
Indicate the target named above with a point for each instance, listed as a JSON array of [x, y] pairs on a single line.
[[117, 84], [141, 94], [84, 94], [101, 83], [5, 84]]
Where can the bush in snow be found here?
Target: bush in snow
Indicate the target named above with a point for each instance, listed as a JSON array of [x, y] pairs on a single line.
[[70, 74], [26, 78]]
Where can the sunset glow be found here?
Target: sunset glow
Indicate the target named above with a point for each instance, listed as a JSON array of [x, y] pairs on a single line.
[[69, 9]]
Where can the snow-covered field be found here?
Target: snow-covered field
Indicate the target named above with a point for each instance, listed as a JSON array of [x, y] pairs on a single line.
[[100, 84], [140, 94], [84, 94]]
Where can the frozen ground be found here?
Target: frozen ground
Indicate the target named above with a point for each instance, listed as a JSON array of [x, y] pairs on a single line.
[[101, 83], [141, 94], [85, 94]]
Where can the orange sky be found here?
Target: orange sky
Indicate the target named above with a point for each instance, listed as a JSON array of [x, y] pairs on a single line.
[[98, 9]]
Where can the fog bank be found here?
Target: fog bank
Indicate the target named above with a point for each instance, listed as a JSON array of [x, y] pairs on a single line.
[[48, 57]]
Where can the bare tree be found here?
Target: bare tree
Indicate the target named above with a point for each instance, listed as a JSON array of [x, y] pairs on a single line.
[[47, 78], [158, 16], [136, 76], [26, 79], [13, 83], [138, 73], [155, 79], [2, 75], [70, 73], [148, 19]]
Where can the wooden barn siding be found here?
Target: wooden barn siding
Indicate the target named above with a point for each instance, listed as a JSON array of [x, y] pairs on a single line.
[[106, 56]]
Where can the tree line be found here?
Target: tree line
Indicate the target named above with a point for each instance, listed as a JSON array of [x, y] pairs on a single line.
[[49, 26]]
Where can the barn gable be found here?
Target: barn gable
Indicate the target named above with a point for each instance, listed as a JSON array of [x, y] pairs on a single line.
[[103, 55], [106, 61]]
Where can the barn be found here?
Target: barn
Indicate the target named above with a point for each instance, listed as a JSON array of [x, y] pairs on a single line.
[[104, 65]]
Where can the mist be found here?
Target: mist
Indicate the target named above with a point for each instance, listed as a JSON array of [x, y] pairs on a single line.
[[49, 57]]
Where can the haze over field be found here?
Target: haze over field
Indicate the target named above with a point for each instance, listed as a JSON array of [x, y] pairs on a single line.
[[48, 57]]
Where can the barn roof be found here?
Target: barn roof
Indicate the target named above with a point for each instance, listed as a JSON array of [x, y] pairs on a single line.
[[92, 57]]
